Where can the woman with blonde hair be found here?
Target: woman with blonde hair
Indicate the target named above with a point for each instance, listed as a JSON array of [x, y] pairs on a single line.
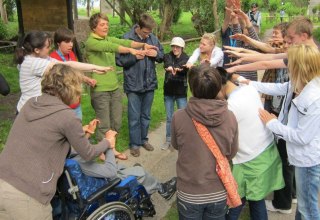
[[207, 52], [302, 132], [38, 143]]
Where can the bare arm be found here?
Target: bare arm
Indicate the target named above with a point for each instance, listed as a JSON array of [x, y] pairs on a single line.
[[254, 43], [260, 65]]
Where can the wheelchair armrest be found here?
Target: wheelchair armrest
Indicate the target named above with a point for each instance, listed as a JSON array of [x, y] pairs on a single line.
[[100, 193]]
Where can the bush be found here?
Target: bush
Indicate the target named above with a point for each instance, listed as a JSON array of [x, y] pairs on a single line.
[[3, 31], [316, 34]]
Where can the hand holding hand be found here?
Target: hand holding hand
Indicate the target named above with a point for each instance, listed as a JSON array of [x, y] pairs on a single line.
[[92, 82], [188, 65], [111, 137], [151, 53], [265, 116], [170, 69], [149, 46], [91, 127], [102, 157], [140, 56]]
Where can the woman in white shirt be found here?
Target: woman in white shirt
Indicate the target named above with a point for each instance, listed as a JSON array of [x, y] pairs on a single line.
[[302, 132], [207, 52], [33, 61]]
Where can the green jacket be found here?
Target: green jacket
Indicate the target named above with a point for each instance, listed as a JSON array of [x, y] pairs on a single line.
[[101, 51]]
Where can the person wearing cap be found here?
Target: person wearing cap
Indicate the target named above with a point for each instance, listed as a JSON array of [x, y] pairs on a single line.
[[207, 52], [255, 17], [175, 83]]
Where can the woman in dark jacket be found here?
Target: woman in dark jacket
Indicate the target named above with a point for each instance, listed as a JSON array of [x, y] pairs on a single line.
[[175, 83]]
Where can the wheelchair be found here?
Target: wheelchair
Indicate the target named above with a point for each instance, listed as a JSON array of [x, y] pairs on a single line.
[[82, 197]]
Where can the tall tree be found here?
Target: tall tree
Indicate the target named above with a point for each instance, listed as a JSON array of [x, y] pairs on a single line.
[[75, 9], [3, 12], [215, 14], [170, 8]]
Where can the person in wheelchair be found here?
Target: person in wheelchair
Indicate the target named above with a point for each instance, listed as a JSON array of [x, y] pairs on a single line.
[[38, 143], [110, 169]]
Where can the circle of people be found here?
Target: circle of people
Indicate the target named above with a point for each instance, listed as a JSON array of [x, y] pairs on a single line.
[[273, 145]]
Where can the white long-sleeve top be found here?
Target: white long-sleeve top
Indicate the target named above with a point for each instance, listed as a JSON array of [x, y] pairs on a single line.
[[302, 133], [216, 58], [254, 137]]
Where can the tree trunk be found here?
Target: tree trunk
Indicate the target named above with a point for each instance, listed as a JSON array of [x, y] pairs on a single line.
[[127, 10], [88, 8], [215, 14], [75, 9], [122, 15], [3, 12], [166, 19]]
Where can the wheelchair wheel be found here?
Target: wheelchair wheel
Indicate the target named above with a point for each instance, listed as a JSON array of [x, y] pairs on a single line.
[[112, 211]]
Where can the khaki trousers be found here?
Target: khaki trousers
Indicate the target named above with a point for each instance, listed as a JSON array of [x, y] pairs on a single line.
[[16, 205]]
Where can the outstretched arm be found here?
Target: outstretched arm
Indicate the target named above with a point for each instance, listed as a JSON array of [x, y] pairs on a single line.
[[260, 65]]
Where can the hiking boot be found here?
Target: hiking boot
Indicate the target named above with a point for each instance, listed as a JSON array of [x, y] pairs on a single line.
[[271, 208], [166, 146], [148, 146], [168, 188], [135, 151]]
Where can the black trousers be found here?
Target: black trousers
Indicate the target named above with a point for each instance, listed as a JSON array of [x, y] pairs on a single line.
[[283, 198]]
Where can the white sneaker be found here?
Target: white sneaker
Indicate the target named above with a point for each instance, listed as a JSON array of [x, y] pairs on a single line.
[[165, 146], [271, 208], [294, 201]]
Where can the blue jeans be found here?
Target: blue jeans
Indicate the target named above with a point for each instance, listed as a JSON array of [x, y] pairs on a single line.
[[169, 104], [214, 211], [258, 210], [307, 182], [139, 110]]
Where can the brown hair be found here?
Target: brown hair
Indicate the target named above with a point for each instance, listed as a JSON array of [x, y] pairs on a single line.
[[94, 20], [302, 25], [204, 82], [62, 34], [33, 40], [282, 27], [146, 21], [63, 82]]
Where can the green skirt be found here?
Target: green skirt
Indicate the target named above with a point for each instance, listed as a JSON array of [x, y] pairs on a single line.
[[260, 176]]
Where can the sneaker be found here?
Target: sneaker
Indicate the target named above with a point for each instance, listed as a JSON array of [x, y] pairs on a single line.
[[148, 146], [271, 208], [166, 146], [294, 201], [135, 151], [168, 188]]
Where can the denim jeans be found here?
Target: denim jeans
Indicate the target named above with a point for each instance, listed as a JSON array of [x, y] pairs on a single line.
[[169, 104], [308, 183], [214, 211], [258, 210], [139, 110]]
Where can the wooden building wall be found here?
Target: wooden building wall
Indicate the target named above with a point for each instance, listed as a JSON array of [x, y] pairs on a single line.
[[46, 15]]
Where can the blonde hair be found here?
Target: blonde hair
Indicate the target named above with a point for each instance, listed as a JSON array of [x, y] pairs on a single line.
[[63, 82], [303, 65], [210, 37]]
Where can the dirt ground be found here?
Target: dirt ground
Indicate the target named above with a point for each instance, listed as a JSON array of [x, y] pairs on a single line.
[[8, 106]]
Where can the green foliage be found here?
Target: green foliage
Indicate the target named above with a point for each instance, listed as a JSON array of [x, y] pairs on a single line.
[[316, 34], [202, 14], [290, 9], [177, 15], [3, 31], [10, 8]]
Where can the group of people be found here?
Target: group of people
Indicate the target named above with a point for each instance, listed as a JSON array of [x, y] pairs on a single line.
[[267, 143]]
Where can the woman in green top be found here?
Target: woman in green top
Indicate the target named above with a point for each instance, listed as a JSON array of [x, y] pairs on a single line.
[[106, 97]]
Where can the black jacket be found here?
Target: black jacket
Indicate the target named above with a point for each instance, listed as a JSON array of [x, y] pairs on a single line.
[[140, 75], [175, 85]]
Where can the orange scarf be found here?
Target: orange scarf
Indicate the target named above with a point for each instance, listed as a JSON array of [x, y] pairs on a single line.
[[222, 166]]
